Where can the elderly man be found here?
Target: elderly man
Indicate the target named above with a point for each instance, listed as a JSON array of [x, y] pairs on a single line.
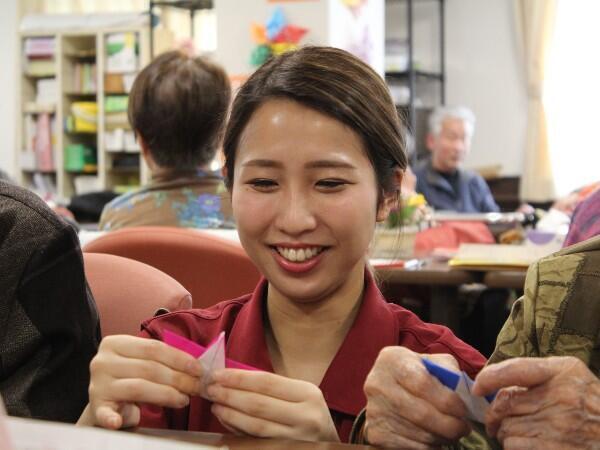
[[440, 178], [546, 367]]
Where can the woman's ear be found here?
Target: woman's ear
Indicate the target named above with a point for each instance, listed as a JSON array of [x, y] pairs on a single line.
[[390, 200]]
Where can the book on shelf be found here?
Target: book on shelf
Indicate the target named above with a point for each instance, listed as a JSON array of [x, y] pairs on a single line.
[[43, 143], [39, 47], [46, 91]]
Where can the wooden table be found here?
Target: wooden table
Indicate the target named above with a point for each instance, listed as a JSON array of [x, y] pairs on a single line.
[[239, 442], [512, 279], [444, 282]]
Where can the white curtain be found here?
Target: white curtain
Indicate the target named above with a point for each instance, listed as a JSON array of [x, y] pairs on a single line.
[[534, 25]]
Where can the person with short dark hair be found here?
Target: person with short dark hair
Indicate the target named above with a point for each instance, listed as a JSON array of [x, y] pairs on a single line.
[[314, 159], [177, 107], [49, 327]]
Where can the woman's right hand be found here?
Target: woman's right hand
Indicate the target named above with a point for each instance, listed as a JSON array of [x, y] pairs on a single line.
[[128, 370]]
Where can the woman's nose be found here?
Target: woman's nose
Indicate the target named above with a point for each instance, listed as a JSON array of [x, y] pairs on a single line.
[[296, 214]]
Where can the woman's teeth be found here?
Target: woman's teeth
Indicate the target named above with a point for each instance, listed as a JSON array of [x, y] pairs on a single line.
[[299, 254]]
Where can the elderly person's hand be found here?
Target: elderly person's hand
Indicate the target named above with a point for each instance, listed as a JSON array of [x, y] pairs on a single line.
[[543, 403], [407, 407]]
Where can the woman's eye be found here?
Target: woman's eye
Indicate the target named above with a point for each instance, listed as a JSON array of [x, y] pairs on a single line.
[[331, 184], [263, 184]]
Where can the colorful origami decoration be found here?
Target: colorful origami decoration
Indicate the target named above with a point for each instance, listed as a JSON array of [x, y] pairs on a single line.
[[274, 38]]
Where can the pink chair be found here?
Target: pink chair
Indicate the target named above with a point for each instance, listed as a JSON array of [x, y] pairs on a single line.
[[210, 267], [127, 292]]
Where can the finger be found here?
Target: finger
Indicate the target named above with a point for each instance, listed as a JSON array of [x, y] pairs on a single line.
[[524, 372], [387, 436], [130, 414], [256, 404], [107, 416], [382, 429], [253, 426], [264, 383], [421, 384], [499, 409], [512, 401], [135, 390], [444, 360], [151, 349], [119, 367], [423, 415]]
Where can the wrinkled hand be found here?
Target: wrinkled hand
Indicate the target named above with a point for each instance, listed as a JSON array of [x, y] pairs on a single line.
[[543, 403], [268, 405], [409, 408], [128, 370]]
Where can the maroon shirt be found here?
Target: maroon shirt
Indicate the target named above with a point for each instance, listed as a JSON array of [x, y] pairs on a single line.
[[378, 324]]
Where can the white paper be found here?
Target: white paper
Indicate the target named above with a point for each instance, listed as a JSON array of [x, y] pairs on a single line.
[[5, 441], [28, 434], [476, 406], [213, 358]]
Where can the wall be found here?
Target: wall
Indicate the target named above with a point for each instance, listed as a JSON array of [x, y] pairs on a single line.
[[483, 71], [8, 84], [483, 68]]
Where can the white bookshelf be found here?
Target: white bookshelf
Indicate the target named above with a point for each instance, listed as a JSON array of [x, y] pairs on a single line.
[[71, 49]]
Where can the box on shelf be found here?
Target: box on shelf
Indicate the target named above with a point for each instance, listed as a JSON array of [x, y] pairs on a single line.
[[39, 47], [121, 52], [83, 118], [46, 91], [80, 158], [118, 83], [131, 144]]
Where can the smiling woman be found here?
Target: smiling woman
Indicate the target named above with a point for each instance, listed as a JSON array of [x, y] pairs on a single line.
[[314, 158]]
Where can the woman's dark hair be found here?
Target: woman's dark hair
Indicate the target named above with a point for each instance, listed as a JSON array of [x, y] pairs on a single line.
[[178, 105], [335, 83]]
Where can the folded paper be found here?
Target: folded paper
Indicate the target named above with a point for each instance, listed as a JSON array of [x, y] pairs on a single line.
[[211, 357], [460, 383]]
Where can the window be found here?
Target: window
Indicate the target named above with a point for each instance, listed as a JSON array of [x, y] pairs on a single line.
[[572, 95]]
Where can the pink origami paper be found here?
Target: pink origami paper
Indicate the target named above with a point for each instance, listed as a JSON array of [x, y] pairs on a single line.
[[197, 350]]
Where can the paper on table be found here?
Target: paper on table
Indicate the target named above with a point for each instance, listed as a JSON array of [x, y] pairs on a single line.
[[460, 383], [5, 441], [498, 255], [29, 434]]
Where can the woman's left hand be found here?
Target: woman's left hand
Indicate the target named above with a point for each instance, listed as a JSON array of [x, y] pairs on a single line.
[[264, 404]]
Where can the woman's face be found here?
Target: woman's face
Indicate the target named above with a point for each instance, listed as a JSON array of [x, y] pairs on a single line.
[[304, 199]]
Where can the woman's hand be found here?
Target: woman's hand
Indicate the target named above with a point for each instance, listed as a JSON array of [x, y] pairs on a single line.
[[268, 405], [543, 403], [128, 370], [407, 407]]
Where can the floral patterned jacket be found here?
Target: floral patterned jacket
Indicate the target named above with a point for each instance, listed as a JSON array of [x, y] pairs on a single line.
[[192, 200]]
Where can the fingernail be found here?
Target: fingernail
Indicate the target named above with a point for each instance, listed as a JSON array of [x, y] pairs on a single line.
[[113, 422], [184, 400]]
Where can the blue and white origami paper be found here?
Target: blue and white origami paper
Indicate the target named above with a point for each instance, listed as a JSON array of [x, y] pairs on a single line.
[[460, 383]]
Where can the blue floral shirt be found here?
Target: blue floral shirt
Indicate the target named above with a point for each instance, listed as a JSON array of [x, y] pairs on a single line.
[[192, 200]]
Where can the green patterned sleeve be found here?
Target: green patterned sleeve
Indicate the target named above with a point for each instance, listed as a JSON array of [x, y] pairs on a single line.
[[518, 335]]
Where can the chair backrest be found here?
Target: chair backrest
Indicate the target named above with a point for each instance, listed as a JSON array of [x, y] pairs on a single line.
[[128, 291], [211, 268]]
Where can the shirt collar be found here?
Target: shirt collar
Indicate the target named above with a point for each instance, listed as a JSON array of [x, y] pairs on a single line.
[[375, 327]]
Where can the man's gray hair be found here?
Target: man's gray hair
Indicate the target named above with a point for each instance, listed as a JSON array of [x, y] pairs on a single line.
[[441, 113]]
